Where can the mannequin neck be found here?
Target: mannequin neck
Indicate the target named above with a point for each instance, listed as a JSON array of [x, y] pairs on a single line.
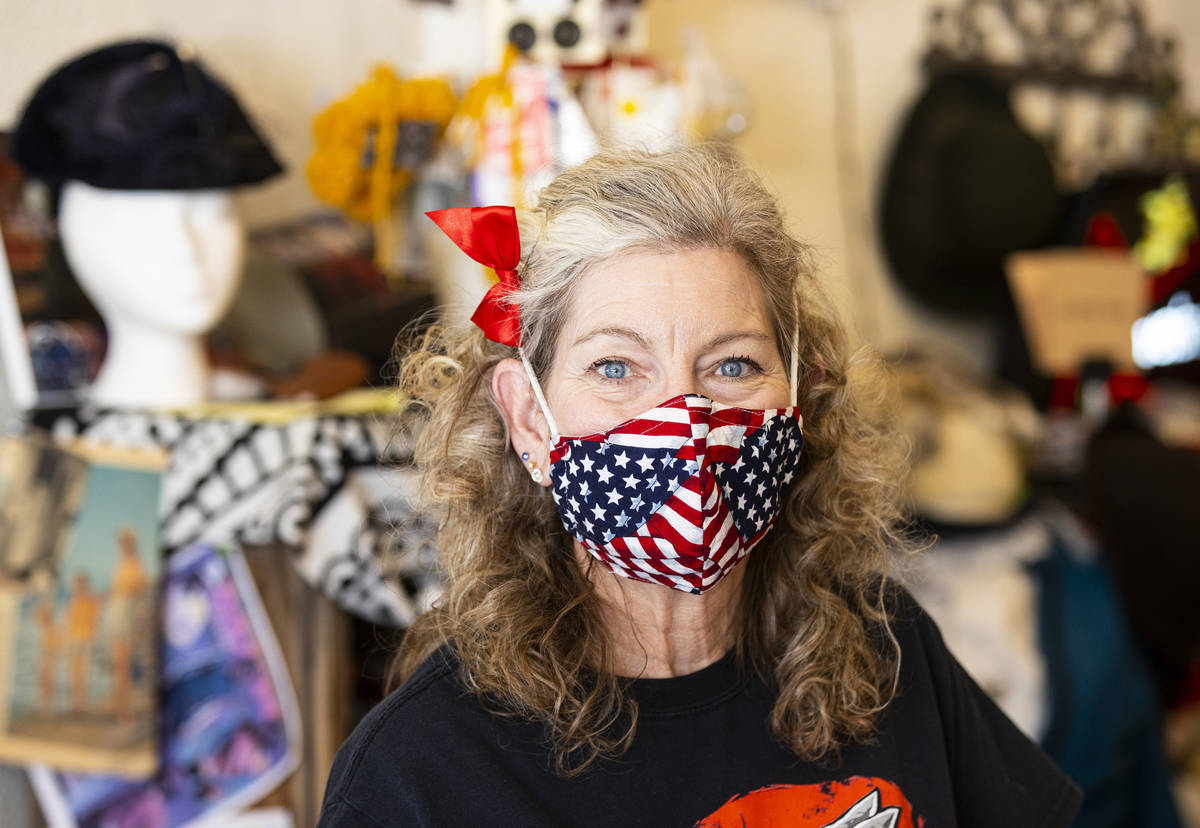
[[150, 367]]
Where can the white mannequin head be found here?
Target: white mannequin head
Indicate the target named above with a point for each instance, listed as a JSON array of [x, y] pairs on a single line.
[[168, 258], [162, 267]]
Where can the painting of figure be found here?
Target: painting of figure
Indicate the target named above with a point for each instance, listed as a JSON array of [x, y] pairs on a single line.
[[80, 688]]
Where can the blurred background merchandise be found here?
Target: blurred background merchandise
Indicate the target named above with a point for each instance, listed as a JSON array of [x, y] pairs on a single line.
[[1001, 194]]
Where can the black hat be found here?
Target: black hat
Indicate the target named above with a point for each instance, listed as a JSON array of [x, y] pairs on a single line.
[[966, 186], [137, 116]]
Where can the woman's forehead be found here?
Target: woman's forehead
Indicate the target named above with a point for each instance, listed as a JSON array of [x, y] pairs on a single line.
[[647, 297]]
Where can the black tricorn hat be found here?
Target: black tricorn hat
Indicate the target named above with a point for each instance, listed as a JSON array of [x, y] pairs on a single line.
[[136, 115], [966, 185]]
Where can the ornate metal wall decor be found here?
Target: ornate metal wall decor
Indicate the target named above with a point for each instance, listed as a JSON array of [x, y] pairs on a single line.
[[1071, 56], [1104, 45]]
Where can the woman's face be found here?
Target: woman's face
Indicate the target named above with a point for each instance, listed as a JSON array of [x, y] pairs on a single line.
[[647, 327]]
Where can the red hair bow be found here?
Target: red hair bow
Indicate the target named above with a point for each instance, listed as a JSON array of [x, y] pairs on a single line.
[[489, 236]]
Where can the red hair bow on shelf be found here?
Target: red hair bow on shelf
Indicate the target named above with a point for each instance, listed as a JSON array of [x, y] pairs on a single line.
[[489, 236]]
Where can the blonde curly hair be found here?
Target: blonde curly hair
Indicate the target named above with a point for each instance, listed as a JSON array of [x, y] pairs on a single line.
[[522, 614]]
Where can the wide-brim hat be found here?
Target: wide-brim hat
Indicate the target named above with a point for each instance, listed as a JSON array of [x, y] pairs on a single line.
[[965, 186], [135, 115]]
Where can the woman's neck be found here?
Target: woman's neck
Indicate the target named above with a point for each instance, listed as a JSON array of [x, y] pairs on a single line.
[[658, 632]]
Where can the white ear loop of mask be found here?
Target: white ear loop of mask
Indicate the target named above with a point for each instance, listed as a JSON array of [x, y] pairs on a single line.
[[794, 383], [795, 378], [541, 398]]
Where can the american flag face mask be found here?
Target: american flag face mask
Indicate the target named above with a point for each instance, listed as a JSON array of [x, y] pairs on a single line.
[[679, 495]]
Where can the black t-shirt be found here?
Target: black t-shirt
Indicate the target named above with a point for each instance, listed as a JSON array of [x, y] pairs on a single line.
[[703, 755]]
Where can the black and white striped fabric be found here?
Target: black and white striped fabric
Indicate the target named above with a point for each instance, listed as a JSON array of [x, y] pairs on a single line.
[[339, 489]]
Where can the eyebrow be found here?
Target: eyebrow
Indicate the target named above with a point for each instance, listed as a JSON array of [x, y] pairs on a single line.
[[723, 339], [614, 331], [632, 335]]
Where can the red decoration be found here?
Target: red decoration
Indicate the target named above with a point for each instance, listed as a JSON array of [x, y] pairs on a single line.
[[1122, 387], [1103, 231], [1169, 281], [489, 235]]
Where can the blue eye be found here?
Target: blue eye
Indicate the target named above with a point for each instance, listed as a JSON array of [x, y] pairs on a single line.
[[615, 370], [732, 368], [739, 368]]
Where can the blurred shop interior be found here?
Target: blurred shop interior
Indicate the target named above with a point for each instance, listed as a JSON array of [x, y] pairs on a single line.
[[213, 225]]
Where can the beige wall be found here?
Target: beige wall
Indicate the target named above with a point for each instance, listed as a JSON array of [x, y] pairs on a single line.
[[287, 58]]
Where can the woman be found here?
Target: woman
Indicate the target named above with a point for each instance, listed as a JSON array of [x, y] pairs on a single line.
[[666, 526]]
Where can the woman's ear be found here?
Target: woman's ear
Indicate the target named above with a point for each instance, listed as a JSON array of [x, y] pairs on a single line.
[[527, 427]]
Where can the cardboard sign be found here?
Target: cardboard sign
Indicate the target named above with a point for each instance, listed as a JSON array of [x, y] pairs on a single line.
[[1077, 305]]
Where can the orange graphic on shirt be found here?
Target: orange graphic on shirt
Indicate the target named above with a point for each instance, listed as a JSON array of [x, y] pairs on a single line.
[[857, 802]]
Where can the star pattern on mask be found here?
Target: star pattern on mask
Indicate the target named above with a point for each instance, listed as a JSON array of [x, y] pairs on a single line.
[[604, 490], [754, 483]]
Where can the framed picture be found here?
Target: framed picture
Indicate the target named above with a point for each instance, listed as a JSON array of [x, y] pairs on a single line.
[[78, 595]]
